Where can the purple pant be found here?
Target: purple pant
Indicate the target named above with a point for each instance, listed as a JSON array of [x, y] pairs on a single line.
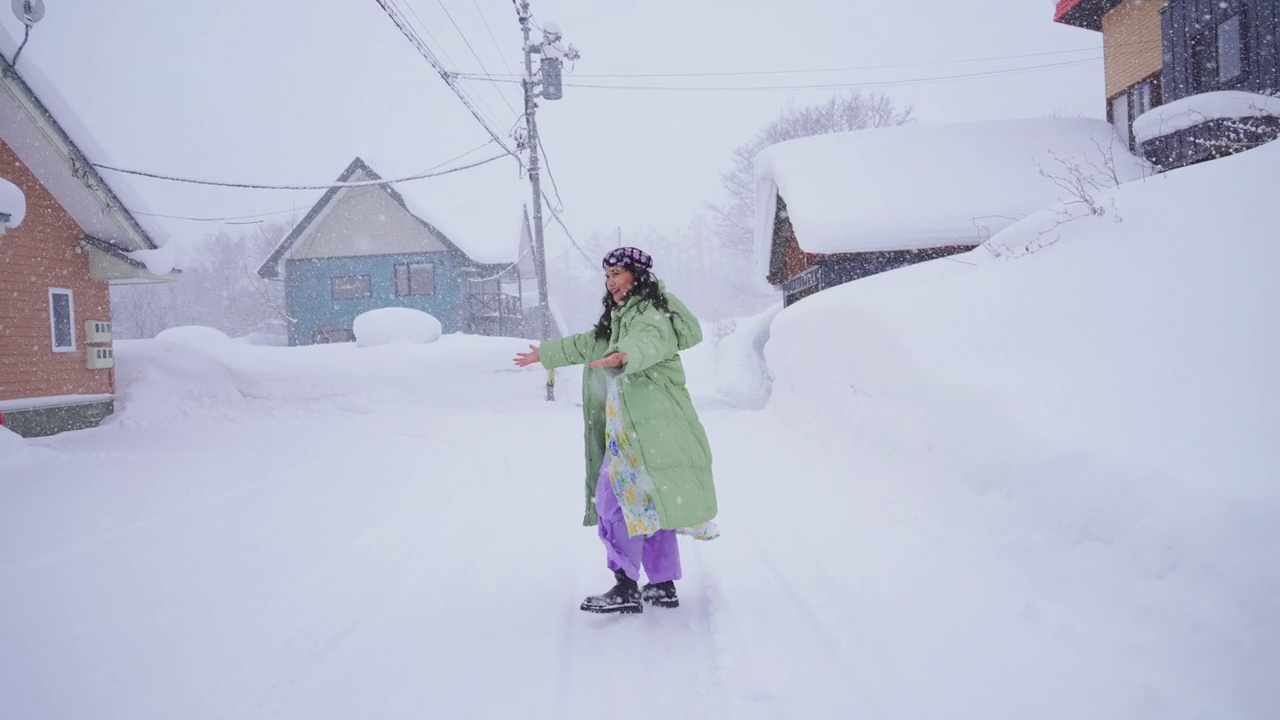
[[660, 555]]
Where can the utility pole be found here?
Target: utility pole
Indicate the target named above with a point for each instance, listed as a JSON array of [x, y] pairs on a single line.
[[549, 80]]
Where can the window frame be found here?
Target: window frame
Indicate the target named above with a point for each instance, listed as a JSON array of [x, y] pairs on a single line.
[[1242, 47], [1208, 44], [71, 320], [367, 283], [1149, 85], [408, 285]]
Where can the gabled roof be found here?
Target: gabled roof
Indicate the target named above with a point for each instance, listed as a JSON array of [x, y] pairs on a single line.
[[271, 267], [77, 186]]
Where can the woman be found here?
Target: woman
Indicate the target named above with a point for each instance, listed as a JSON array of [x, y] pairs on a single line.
[[648, 461]]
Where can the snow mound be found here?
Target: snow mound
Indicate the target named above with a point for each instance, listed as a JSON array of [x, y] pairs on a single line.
[[1198, 109], [387, 326], [13, 202], [727, 369], [195, 335], [162, 381], [1110, 387], [1054, 321]]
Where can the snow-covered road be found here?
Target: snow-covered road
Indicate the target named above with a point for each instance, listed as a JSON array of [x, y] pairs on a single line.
[[409, 547]]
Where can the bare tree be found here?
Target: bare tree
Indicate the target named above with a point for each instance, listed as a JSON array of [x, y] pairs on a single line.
[[840, 113], [220, 289]]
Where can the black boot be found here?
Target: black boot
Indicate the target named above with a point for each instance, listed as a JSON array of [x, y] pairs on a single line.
[[623, 598], [661, 595]]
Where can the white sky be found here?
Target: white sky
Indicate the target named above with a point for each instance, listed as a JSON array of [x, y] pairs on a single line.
[[288, 91]]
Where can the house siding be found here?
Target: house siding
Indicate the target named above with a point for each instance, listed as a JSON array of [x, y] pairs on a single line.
[[1131, 43], [1183, 20], [309, 301], [38, 255]]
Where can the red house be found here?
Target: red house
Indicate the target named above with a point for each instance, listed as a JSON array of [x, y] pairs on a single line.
[[65, 237]]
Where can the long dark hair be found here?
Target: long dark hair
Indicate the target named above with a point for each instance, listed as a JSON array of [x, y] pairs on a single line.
[[646, 288]]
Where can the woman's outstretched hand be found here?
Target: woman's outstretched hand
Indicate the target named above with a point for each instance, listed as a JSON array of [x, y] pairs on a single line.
[[529, 358], [614, 360]]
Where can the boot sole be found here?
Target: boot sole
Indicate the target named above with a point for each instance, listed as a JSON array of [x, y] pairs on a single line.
[[613, 609], [664, 604]]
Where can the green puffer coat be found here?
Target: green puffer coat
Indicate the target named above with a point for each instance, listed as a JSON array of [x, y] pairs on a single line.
[[668, 436]]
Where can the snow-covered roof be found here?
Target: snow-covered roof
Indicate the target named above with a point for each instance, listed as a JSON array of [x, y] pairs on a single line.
[[13, 204], [48, 136], [925, 186], [1196, 109], [477, 212]]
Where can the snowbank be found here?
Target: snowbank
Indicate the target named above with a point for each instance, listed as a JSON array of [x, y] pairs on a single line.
[[1130, 312], [195, 374], [194, 335], [12, 203], [387, 326], [1197, 109], [926, 186], [1104, 392], [727, 368]]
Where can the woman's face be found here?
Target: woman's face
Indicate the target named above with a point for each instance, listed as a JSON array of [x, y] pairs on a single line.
[[619, 281]]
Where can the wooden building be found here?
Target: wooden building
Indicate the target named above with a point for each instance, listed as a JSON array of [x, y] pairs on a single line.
[[1187, 54]]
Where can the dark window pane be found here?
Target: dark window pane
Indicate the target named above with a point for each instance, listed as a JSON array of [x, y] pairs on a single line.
[[1204, 61], [1230, 49], [350, 287], [1142, 98], [320, 336], [422, 279], [60, 306]]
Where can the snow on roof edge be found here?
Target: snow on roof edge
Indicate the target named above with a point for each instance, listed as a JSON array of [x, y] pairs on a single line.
[[1202, 108], [66, 124]]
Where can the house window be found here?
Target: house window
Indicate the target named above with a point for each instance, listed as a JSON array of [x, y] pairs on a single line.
[[323, 337], [1120, 116], [1231, 49], [1143, 97], [1218, 55], [350, 287], [62, 320], [1131, 104], [415, 279]]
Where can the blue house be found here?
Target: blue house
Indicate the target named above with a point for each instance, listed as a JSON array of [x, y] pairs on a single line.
[[364, 247]]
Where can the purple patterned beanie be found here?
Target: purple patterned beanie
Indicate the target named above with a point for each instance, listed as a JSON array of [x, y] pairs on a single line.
[[628, 257]]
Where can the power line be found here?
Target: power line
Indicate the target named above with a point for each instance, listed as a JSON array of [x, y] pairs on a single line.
[[823, 86], [474, 54], [547, 162], [854, 68], [490, 114], [556, 216], [502, 56], [256, 186], [445, 75], [233, 220]]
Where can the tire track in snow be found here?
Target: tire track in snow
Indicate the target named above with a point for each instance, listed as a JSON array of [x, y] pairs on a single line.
[[671, 649]]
